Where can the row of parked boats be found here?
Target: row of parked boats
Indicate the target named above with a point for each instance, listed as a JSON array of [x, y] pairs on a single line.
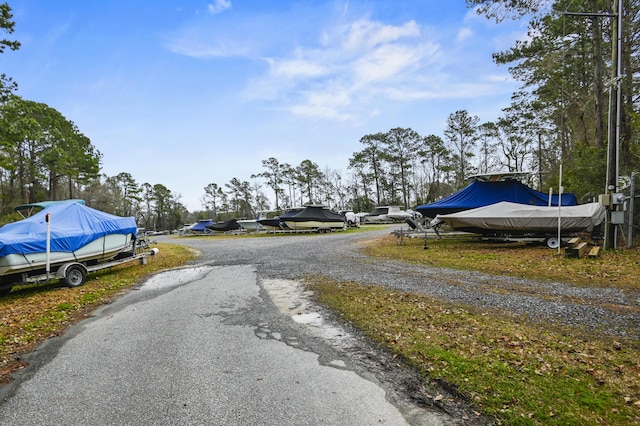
[[70, 239], [494, 204], [315, 218], [309, 218]]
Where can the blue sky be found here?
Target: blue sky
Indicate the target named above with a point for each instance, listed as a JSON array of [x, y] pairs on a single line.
[[187, 93]]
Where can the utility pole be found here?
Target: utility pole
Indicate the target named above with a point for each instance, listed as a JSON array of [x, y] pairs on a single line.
[[611, 199], [614, 215], [632, 209]]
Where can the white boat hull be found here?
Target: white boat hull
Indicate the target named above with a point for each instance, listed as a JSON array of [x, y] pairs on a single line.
[[250, 225], [100, 250], [387, 214], [313, 224]]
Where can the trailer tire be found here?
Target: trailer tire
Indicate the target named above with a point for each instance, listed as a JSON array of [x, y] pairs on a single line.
[[553, 242], [75, 276]]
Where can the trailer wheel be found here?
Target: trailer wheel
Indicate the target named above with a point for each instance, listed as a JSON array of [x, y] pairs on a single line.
[[553, 242], [76, 276]]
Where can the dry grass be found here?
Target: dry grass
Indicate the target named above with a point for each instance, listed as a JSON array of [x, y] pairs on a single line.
[[515, 371]]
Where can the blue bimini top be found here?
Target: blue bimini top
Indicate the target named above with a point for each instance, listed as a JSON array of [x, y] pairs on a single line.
[[480, 194], [73, 226]]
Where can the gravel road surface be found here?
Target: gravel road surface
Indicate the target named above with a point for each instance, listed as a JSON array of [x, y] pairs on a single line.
[[336, 255]]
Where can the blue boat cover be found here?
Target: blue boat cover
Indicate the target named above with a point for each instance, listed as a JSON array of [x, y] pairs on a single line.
[[480, 194], [201, 226], [73, 226]]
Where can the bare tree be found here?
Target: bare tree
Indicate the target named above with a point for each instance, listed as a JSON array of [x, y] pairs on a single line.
[[462, 134]]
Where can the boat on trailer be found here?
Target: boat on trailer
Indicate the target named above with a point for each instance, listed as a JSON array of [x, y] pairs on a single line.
[[250, 225], [253, 225], [277, 223], [485, 190], [67, 238], [316, 218], [387, 214], [226, 226], [520, 221]]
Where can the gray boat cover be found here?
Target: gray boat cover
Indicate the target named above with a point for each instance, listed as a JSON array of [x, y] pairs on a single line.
[[522, 218]]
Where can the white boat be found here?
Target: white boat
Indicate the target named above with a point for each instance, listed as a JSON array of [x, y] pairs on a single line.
[[250, 225], [513, 218], [387, 214], [77, 234], [253, 225], [100, 250]]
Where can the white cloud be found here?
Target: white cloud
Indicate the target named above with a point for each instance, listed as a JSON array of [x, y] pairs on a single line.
[[296, 68], [364, 34], [350, 68], [218, 6], [464, 34], [389, 61], [351, 63], [223, 49], [196, 43]]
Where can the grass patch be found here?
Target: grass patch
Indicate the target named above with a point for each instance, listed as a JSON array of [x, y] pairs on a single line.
[[32, 313], [515, 372]]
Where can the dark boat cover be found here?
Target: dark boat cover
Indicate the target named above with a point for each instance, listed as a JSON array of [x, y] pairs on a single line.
[[278, 221], [480, 194], [229, 225], [319, 213], [73, 226]]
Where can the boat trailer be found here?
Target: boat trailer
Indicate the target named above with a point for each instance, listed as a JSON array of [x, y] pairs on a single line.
[[74, 274], [427, 231]]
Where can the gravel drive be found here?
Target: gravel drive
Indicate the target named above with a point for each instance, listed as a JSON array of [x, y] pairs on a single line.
[[336, 256]]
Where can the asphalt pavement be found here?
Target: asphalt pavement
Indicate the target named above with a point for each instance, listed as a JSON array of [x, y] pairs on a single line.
[[204, 345]]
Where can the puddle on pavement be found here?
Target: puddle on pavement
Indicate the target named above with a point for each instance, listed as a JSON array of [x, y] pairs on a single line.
[[293, 300], [175, 277]]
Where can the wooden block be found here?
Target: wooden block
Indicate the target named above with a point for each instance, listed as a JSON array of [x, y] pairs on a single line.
[[573, 241], [595, 251], [578, 251]]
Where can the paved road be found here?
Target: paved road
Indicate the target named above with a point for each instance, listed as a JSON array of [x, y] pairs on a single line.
[[225, 342]]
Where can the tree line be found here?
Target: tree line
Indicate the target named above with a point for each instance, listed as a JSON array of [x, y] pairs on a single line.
[[559, 116]]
